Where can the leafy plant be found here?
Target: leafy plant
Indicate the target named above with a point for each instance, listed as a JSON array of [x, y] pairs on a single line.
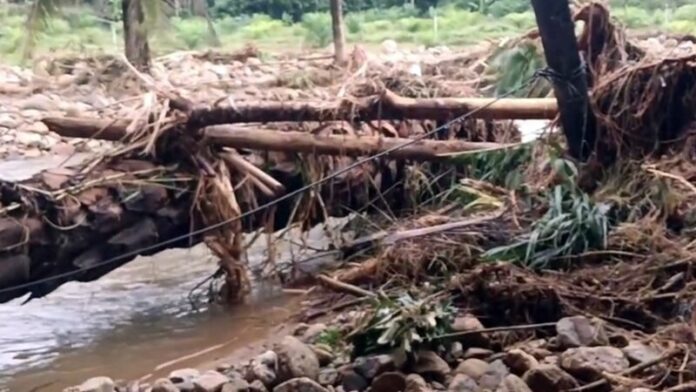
[[573, 224], [515, 66], [318, 28], [404, 324], [502, 167], [331, 337]]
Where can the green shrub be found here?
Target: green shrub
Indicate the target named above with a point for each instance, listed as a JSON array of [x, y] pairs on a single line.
[[635, 17], [193, 32], [261, 26], [354, 23], [317, 29], [686, 13]]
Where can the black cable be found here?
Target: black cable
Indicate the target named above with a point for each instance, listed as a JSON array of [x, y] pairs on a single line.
[[275, 201]]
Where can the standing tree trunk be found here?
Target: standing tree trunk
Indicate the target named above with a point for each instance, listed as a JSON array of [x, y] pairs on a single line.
[[135, 33], [569, 78], [339, 36]]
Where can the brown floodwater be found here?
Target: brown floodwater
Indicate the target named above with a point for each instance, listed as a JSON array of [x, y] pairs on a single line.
[[137, 321]]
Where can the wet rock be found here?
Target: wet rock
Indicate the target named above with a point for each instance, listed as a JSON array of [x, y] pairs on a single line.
[[313, 332], [295, 360], [236, 385], [580, 331], [389, 382], [588, 363], [416, 383], [324, 355], [429, 364], [300, 384], [328, 376], [474, 368], [210, 381], [263, 368], [352, 381], [370, 367], [549, 378], [476, 352], [519, 361], [182, 375], [257, 386], [462, 383], [97, 384], [638, 352], [512, 383], [164, 385], [494, 375]]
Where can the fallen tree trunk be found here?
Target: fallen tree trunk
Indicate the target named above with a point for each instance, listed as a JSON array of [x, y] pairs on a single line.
[[387, 107], [303, 142]]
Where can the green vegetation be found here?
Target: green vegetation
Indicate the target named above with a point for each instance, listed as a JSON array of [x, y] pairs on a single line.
[[298, 25]]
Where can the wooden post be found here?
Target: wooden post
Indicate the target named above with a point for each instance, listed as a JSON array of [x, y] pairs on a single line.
[[557, 32], [339, 37]]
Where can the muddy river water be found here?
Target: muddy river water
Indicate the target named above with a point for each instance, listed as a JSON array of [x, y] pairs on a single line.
[[137, 321]]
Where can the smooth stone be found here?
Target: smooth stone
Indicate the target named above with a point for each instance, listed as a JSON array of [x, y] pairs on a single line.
[[98, 384], [580, 331], [389, 382], [549, 378], [296, 360], [300, 384]]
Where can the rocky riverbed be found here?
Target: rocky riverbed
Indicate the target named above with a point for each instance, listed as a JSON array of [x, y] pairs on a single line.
[[577, 351]]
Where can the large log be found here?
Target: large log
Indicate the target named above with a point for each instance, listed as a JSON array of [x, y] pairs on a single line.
[[303, 142], [389, 107]]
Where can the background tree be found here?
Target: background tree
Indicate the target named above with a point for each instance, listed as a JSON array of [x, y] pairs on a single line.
[[339, 36]]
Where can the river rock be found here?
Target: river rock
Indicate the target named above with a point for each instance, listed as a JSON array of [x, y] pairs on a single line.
[[263, 368], [328, 376], [182, 375], [469, 323], [38, 102], [237, 384], [210, 381], [580, 331], [642, 390], [301, 384], [512, 383], [494, 375], [638, 352], [456, 350], [164, 385], [416, 383], [372, 366], [519, 361], [429, 364], [476, 352], [474, 368], [351, 380], [98, 384], [313, 332], [462, 383], [257, 386], [588, 363], [295, 360], [389, 382], [549, 378]]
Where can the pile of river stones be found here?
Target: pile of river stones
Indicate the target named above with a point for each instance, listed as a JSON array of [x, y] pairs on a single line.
[[579, 353]]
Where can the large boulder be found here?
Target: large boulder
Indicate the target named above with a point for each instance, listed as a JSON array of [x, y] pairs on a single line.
[[263, 368], [638, 352], [580, 331], [296, 360], [588, 363]]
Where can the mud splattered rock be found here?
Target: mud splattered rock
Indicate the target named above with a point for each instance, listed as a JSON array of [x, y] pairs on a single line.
[[210, 381], [462, 383], [512, 383], [389, 382], [372, 366], [638, 352], [295, 360], [97, 384], [494, 375], [588, 363], [519, 361], [263, 368], [328, 376], [549, 378], [416, 383], [301, 384], [351, 380], [164, 385], [474, 368], [429, 364], [580, 331]]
